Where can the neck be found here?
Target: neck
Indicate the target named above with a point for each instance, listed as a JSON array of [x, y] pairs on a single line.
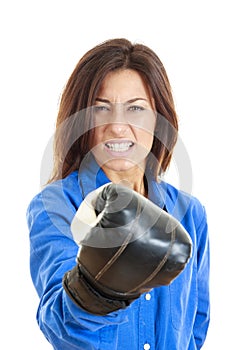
[[133, 178]]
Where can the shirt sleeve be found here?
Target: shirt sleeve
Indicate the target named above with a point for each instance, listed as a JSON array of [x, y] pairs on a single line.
[[203, 267], [52, 253]]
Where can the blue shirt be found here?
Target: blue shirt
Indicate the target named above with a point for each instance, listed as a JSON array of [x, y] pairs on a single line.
[[167, 318]]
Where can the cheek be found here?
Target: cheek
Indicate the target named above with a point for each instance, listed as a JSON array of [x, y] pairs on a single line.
[[145, 122], [145, 132], [96, 136], [145, 138]]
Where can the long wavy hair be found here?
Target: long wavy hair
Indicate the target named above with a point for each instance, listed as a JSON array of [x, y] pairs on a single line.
[[73, 126]]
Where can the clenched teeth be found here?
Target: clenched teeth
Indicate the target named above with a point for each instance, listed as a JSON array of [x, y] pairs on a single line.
[[119, 147]]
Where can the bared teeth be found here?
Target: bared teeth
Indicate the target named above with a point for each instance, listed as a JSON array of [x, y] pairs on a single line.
[[119, 147]]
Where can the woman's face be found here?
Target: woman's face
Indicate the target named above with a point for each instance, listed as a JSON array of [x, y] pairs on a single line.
[[124, 120]]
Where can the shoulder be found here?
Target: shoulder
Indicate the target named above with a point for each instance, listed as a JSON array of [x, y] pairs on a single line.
[[182, 204], [189, 211], [57, 197]]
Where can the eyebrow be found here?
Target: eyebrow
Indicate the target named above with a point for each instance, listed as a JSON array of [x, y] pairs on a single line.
[[99, 99]]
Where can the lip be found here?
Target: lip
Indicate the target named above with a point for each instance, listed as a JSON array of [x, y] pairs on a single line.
[[119, 147]]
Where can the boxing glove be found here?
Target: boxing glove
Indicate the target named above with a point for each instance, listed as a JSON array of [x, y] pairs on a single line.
[[128, 245]]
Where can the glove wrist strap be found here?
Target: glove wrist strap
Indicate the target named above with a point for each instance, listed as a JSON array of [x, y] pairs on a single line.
[[85, 296]]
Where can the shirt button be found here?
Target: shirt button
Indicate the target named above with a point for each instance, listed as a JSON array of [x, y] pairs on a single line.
[[146, 346], [148, 296]]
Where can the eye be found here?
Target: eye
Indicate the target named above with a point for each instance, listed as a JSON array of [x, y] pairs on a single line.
[[136, 108], [101, 108]]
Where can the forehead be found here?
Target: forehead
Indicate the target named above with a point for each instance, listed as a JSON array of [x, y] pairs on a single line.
[[122, 85]]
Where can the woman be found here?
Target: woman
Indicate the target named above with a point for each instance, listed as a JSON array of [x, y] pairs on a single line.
[[116, 123]]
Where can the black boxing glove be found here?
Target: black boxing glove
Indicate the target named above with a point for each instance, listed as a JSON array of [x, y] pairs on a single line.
[[128, 245]]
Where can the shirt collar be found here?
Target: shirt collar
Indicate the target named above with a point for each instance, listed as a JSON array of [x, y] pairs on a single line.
[[91, 176]]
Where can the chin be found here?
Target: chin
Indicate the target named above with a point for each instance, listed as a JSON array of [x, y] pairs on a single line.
[[119, 165]]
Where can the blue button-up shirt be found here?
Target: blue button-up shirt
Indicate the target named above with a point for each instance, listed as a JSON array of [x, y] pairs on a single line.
[[167, 318]]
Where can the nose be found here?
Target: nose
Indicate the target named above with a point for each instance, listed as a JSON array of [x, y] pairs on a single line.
[[118, 124], [118, 113], [118, 129]]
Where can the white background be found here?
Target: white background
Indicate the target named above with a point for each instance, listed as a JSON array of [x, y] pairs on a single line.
[[41, 42]]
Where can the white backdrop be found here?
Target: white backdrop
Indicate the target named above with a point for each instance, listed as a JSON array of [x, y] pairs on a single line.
[[41, 42]]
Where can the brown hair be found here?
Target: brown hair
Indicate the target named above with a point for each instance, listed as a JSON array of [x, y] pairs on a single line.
[[72, 135]]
